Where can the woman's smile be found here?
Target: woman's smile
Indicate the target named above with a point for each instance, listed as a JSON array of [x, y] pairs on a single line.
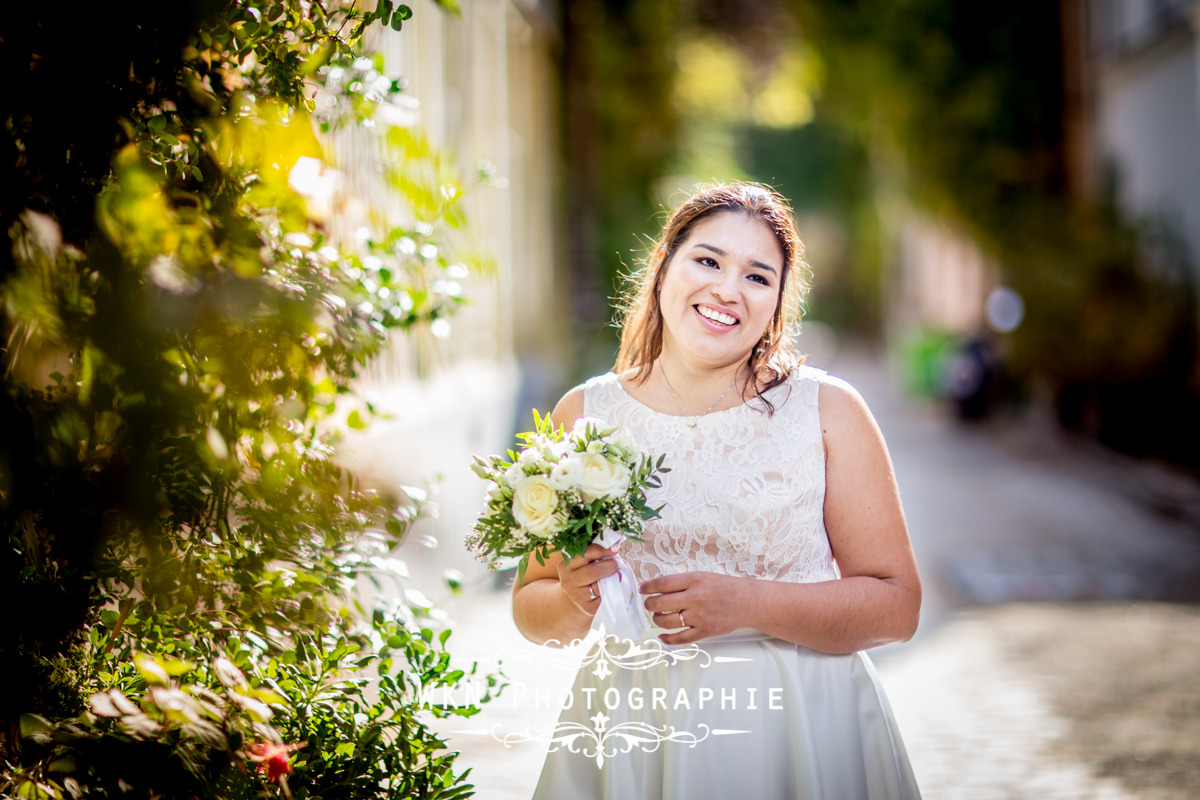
[[723, 319]]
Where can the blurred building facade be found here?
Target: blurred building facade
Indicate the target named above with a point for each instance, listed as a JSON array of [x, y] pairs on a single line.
[[481, 85], [1132, 74], [1130, 138], [944, 281]]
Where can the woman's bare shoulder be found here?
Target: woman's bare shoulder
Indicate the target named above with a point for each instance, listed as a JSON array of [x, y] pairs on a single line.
[[569, 408], [837, 391], [842, 409]]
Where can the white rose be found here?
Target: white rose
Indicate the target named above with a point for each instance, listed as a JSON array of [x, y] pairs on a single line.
[[514, 475], [567, 474], [602, 478], [535, 504], [493, 490]]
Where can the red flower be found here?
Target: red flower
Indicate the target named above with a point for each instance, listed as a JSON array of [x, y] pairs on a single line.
[[273, 758]]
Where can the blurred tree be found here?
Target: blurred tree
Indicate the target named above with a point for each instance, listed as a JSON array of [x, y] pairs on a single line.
[[627, 130], [179, 332], [620, 138], [963, 105]]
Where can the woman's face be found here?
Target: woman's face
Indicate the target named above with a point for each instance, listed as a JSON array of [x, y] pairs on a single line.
[[720, 289]]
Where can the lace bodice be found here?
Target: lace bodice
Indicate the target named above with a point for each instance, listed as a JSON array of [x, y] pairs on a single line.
[[746, 491]]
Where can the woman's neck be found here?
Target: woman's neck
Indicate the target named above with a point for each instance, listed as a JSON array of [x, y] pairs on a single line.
[[682, 385], [688, 376]]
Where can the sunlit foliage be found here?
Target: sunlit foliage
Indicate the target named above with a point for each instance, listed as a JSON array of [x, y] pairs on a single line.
[[180, 327]]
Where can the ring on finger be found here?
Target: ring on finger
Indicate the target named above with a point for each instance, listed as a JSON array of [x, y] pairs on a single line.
[[592, 591], [682, 624]]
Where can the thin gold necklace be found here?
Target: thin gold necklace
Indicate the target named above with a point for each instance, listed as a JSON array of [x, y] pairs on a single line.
[[693, 421]]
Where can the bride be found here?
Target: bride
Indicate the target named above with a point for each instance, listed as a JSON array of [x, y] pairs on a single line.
[[781, 552]]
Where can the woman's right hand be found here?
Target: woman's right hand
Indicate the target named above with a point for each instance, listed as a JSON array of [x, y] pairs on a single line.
[[579, 578]]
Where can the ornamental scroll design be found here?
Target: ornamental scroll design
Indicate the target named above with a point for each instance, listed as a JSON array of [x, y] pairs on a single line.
[[600, 742]]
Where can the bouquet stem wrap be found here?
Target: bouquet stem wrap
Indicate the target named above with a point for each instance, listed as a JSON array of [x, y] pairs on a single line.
[[620, 613]]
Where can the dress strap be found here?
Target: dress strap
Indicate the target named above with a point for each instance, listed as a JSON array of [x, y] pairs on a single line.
[[601, 395]]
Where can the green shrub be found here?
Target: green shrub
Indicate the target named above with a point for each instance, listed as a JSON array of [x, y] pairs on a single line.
[[181, 334]]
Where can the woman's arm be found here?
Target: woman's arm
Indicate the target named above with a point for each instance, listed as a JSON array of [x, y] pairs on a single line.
[[554, 602], [878, 598]]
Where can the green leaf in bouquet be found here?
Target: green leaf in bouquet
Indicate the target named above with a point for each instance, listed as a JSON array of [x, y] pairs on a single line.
[[647, 513]]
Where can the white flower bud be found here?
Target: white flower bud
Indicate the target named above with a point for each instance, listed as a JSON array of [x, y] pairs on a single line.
[[514, 475]]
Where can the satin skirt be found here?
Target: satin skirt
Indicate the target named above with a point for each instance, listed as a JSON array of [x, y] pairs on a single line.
[[744, 715]]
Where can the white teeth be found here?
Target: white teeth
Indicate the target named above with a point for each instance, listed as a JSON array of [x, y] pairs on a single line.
[[716, 316]]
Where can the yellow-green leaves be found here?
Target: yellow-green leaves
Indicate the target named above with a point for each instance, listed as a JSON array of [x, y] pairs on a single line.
[[260, 147], [134, 213]]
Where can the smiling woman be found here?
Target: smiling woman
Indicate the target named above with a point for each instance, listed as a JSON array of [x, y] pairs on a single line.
[[781, 551]]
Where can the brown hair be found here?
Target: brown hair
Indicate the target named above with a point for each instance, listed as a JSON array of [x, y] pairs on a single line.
[[773, 358]]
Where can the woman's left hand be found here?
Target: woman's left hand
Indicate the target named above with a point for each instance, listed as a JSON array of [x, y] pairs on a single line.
[[711, 604]]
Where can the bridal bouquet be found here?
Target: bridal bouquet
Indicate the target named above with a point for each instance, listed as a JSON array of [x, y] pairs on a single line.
[[563, 491]]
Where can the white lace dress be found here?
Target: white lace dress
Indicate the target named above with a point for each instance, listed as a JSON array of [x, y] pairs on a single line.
[[744, 715]]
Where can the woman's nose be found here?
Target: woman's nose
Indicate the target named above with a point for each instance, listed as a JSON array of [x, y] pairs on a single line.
[[725, 289]]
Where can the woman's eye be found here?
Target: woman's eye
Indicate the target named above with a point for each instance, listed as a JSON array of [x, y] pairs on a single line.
[[760, 279], [708, 262]]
